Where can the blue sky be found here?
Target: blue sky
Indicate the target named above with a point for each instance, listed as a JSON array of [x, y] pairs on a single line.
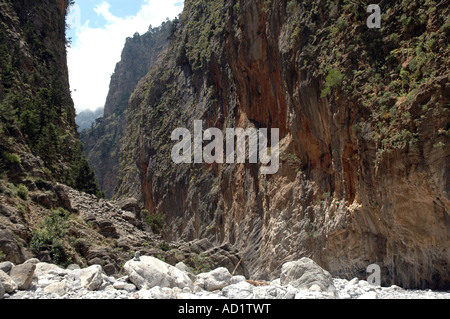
[[98, 29]]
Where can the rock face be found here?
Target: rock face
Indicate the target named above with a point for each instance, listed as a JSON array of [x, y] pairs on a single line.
[[102, 143], [151, 272], [38, 131], [364, 137], [10, 247]]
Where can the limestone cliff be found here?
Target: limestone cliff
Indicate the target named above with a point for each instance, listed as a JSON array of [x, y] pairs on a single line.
[[364, 121], [37, 118], [102, 142]]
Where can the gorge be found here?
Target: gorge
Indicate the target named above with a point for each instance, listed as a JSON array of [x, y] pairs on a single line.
[[363, 120]]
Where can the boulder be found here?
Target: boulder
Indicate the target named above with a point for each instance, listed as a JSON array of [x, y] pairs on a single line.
[[119, 285], [2, 291], [8, 284], [214, 280], [130, 217], [304, 274], [237, 279], [369, 295], [73, 267], [130, 205], [107, 228], [182, 266], [6, 266], [156, 293], [151, 272], [241, 290], [110, 269], [63, 197], [58, 288], [34, 261], [9, 246], [23, 275], [45, 269], [91, 278], [200, 246]]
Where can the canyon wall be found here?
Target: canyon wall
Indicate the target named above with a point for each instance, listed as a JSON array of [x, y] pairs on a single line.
[[364, 124]]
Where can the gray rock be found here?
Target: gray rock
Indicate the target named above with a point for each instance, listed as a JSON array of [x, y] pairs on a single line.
[[129, 288], [91, 278], [345, 296], [6, 266], [23, 275], [315, 288], [129, 204], [2, 291], [9, 246], [214, 280], [363, 284], [369, 295], [8, 284], [151, 272], [73, 267], [290, 293], [119, 285], [58, 288], [242, 290], [45, 269], [182, 266], [154, 293], [237, 279], [268, 292], [305, 273], [32, 261], [354, 281]]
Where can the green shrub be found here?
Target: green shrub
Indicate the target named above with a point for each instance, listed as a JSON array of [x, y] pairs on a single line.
[[11, 158], [22, 192], [49, 238], [333, 78], [155, 221], [42, 184], [2, 256], [198, 263], [291, 7]]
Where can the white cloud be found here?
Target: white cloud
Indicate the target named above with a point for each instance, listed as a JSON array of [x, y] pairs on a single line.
[[95, 51]]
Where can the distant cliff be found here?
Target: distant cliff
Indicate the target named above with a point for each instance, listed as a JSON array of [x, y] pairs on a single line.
[[364, 122], [86, 119], [102, 142]]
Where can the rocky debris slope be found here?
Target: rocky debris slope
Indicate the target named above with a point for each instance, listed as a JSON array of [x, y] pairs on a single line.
[[150, 278], [95, 232]]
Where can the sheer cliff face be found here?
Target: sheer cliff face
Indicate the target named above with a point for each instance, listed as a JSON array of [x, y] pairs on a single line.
[[363, 116], [102, 144], [37, 118]]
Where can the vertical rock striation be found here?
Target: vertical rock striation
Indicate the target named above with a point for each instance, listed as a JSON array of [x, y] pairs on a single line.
[[363, 116]]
